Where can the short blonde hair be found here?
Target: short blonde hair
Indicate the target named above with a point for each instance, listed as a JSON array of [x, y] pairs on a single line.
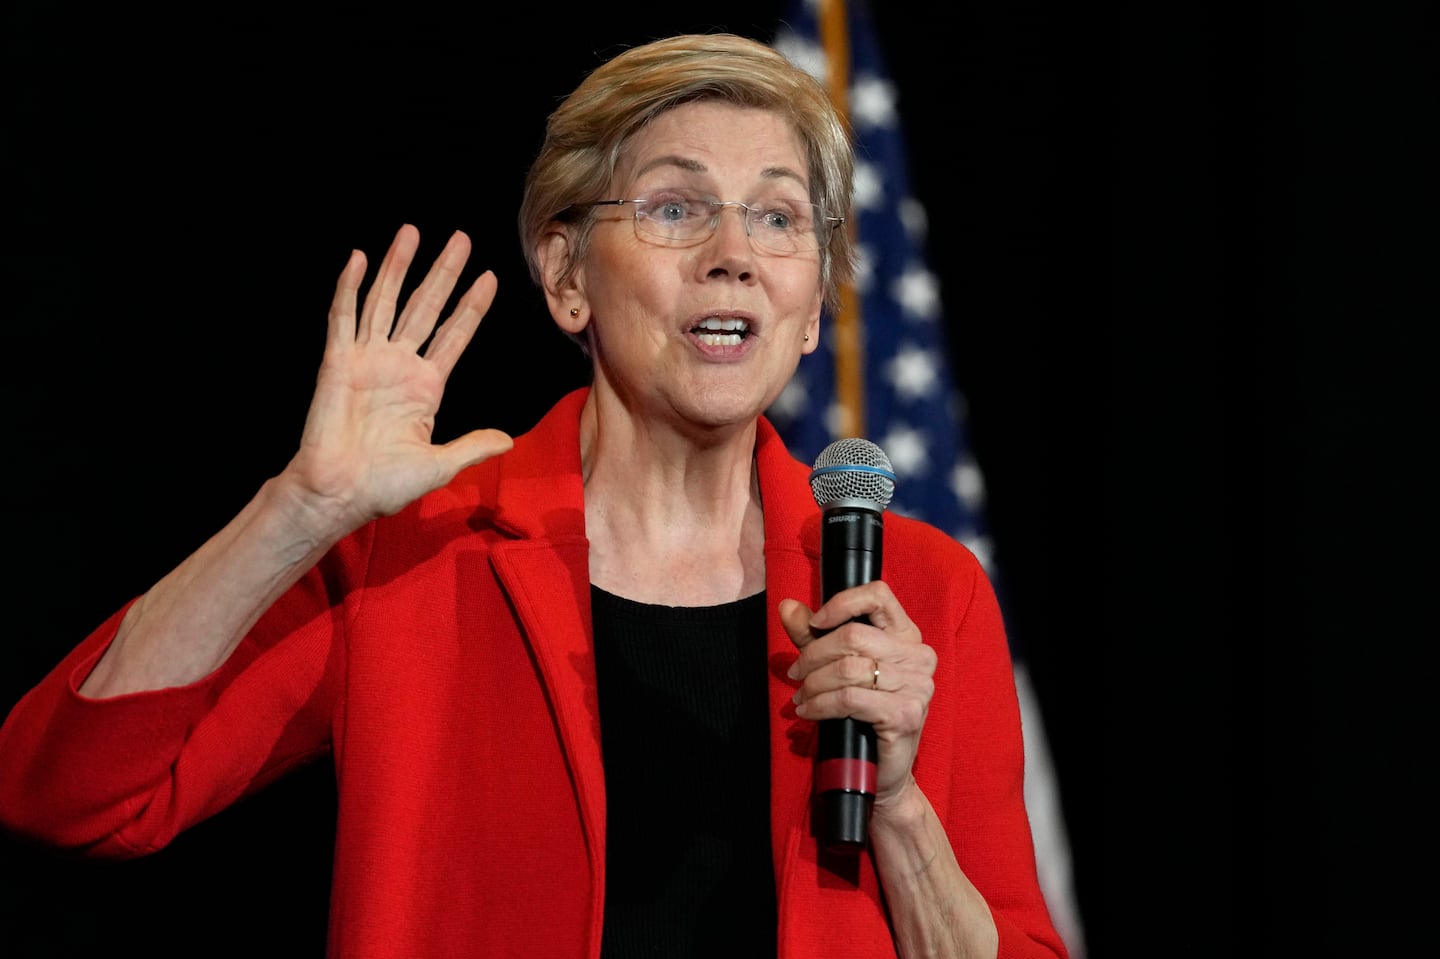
[[585, 135]]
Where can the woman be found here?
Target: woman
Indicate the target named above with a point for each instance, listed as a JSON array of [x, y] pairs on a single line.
[[570, 681]]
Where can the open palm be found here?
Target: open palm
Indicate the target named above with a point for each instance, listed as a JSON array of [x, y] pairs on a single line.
[[367, 449]]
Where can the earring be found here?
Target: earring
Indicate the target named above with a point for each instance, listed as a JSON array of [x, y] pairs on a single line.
[[575, 311], [807, 337]]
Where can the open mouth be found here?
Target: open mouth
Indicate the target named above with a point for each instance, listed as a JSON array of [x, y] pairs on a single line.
[[715, 331]]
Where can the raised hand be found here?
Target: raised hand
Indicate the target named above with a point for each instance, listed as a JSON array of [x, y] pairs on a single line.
[[367, 450]]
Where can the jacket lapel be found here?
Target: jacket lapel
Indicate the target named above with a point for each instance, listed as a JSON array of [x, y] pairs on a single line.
[[544, 571], [792, 548]]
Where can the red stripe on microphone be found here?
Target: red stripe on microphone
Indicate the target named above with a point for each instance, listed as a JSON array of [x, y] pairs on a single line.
[[855, 775]]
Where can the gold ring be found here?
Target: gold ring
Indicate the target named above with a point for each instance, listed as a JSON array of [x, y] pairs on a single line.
[[875, 676]]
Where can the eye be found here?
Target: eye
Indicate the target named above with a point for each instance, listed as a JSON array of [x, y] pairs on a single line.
[[776, 219], [672, 211], [784, 216], [668, 207]]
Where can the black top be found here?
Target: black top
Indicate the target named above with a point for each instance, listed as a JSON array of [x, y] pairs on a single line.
[[684, 730]]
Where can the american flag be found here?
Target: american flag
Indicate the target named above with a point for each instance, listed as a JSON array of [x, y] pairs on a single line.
[[882, 368], [906, 400]]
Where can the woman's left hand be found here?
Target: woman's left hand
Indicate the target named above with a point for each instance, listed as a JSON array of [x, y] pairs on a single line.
[[878, 671]]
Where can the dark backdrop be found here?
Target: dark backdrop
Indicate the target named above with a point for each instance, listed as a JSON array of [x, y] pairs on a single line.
[[1173, 269]]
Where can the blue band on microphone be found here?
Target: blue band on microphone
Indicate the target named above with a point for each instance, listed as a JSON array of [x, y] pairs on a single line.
[[851, 468]]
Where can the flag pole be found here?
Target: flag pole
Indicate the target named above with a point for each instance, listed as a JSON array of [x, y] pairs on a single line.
[[848, 348]]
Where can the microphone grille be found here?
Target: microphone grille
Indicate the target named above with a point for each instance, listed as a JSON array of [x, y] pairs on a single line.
[[852, 472]]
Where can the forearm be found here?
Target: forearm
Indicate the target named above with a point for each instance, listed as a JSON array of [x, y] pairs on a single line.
[[189, 622], [935, 910]]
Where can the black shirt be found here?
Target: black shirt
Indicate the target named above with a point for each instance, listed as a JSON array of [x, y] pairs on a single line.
[[685, 735]]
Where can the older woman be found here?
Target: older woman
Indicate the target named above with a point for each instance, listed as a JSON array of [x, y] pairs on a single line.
[[558, 675]]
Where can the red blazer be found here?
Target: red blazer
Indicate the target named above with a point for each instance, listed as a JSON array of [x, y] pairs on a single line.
[[442, 657]]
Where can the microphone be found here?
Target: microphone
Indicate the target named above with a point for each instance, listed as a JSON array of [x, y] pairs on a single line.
[[852, 482]]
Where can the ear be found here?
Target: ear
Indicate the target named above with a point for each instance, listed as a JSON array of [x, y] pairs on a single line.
[[563, 294], [811, 342]]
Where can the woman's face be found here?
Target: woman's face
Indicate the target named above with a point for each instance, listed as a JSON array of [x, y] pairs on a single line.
[[708, 333]]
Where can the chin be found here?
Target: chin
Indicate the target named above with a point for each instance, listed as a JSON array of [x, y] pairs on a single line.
[[721, 408]]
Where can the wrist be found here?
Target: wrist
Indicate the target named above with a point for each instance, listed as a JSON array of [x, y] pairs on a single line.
[[905, 807], [310, 516]]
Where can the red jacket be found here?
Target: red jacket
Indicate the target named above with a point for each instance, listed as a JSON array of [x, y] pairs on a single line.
[[443, 658]]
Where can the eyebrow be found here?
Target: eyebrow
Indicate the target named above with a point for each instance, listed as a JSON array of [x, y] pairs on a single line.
[[695, 166]]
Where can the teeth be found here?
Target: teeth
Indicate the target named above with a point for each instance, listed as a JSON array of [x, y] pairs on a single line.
[[716, 323], [721, 331]]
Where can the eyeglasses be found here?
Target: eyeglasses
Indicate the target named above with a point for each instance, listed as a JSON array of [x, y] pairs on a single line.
[[675, 218]]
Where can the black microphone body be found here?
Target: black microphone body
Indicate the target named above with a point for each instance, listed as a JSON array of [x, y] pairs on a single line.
[[852, 482]]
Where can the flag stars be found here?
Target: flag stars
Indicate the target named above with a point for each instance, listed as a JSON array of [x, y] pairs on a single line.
[[982, 546], [915, 220], [917, 290], [968, 485], [792, 401], [908, 450], [913, 372], [837, 422], [869, 187], [872, 102], [806, 54], [864, 268]]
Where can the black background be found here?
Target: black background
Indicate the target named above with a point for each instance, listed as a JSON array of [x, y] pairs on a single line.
[[1187, 263]]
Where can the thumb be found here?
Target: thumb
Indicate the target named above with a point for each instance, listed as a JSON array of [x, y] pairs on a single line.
[[474, 447], [795, 617]]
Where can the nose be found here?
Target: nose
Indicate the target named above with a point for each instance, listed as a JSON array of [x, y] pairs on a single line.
[[728, 253]]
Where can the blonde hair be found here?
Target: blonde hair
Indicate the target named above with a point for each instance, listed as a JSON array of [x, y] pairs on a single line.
[[585, 135]]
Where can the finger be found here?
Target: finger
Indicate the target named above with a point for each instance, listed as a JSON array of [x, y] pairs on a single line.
[[424, 306], [456, 332], [861, 672], [818, 647], [871, 672], [877, 691], [872, 602], [340, 331], [474, 447], [844, 688], [847, 647], [795, 618], [378, 314]]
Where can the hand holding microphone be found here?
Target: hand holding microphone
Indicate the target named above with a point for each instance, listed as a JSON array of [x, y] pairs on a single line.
[[852, 482]]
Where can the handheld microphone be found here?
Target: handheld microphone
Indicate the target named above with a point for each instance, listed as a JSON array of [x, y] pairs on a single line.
[[852, 482]]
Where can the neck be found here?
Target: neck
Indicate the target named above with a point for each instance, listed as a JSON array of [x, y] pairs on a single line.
[[669, 521]]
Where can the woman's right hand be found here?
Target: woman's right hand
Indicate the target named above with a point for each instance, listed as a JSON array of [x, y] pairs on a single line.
[[366, 449], [365, 452]]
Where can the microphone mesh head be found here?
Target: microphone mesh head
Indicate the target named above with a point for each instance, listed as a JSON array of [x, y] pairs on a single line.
[[852, 472]]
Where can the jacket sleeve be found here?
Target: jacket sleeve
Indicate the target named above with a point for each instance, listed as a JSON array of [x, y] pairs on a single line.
[[971, 759], [120, 777]]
